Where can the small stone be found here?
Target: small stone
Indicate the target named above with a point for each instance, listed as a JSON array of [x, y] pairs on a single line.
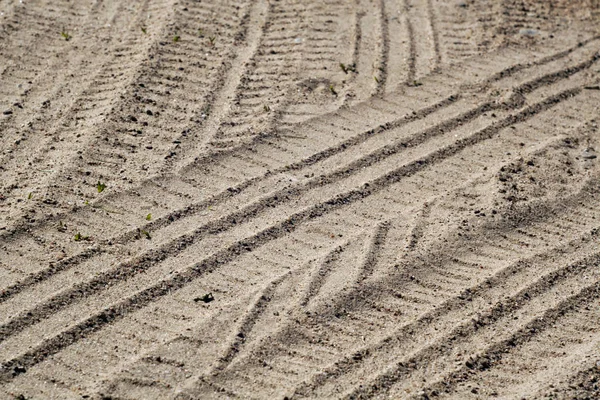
[[7, 112]]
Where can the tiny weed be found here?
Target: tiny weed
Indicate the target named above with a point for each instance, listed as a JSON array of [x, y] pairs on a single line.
[[348, 68], [30, 196], [144, 30], [143, 232], [66, 35], [100, 187], [79, 237], [332, 90], [212, 40], [417, 83], [207, 298], [266, 108], [376, 79], [201, 32], [176, 38], [148, 217]]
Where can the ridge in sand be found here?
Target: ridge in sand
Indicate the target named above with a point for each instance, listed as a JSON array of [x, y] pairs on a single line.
[[299, 199]]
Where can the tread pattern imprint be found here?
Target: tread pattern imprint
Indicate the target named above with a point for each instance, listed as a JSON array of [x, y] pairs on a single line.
[[287, 199]]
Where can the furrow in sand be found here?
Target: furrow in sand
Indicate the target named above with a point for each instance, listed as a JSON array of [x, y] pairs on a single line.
[[143, 262], [254, 28], [98, 215], [284, 72], [478, 345], [159, 84], [52, 101], [334, 343], [358, 365], [34, 79], [425, 39], [374, 154], [240, 247], [401, 47]]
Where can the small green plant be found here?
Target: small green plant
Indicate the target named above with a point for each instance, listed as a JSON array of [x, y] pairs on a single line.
[[200, 32], [148, 217], [266, 108], [66, 35], [176, 38], [417, 83], [144, 30], [142, 232], [376, 79], [207, 298], [348, 68], [100, 187], [79, 237], [30, 196], [332, 90], [212, 40]]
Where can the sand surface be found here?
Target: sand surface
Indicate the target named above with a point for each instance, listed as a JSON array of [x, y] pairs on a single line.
[[270, 199]]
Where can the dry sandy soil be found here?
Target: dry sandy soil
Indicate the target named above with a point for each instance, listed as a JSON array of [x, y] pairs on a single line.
[[299, 199]]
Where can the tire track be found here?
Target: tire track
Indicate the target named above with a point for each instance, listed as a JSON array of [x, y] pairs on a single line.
[[365, 161], [434, 320], [492, 149], [44, 152], [569, 322], [402, 49], [256, 20], [258, 373], [160, 254], [280, 65], [343, 146], [240, 248]]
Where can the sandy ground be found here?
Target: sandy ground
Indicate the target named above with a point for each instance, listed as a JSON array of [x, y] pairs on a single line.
[[294, 199]]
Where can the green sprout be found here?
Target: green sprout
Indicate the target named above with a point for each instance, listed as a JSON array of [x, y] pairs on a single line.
[[79, 237], [266, 108], [148, 217], [376, 79], [332, 90], [348, 68], [144, 30], [141, 232], [100, 187], [212, 40], [66, 35], [30, 196], [176, 38]]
